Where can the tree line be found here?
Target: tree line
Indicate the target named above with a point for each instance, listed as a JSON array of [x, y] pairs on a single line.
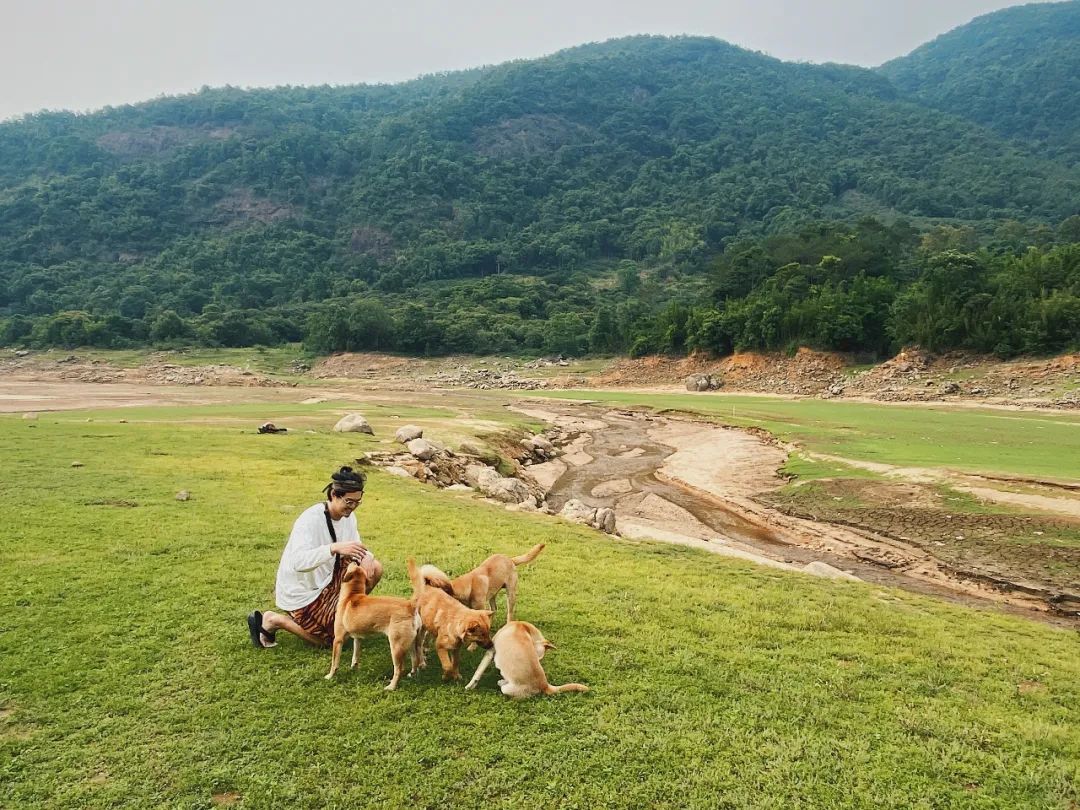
[[866, 288]]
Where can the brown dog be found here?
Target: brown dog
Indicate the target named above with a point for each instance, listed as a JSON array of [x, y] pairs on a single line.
[[518, 648], [478, 588], [361, 615], [451, 623]]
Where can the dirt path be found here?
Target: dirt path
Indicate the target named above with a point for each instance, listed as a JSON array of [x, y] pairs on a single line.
[[694, 484]]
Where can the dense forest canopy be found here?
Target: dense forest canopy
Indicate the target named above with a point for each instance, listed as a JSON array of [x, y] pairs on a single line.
[[640, 195], [1016, 71]]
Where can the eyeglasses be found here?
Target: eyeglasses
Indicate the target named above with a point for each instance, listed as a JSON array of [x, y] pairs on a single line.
[[352, 503]]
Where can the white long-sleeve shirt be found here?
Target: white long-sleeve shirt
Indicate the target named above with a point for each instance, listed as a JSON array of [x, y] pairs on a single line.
[[307, 565]]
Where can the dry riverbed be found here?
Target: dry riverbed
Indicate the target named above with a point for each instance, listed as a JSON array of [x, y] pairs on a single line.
[[718, 488]]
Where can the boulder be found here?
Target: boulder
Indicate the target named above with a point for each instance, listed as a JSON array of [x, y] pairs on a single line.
[[401, 472], [508, 490], [407, 433], [578, 512], [702, 382], [183, 495], [354, 423], [422, 449], [604, 519], [480, 477]]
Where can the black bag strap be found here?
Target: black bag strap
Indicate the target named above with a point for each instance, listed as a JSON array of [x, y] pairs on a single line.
[[329, 525], [333, 534]]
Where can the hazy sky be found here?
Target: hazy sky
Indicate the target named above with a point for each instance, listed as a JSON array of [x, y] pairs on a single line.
[[84, 54]]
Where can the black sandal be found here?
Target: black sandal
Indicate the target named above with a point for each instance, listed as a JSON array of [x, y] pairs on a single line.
[[255, 628]]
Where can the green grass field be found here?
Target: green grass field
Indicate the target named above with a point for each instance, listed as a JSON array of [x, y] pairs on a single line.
[[1014, 442], [127, 677]]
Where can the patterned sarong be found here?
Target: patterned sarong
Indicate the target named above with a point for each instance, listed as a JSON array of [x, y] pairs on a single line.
[[318, 616]]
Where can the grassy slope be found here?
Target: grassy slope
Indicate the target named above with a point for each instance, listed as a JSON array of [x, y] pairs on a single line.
[[126, 676], [987, 440]]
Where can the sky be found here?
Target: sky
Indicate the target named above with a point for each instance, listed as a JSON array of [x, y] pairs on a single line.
[[86, 54]]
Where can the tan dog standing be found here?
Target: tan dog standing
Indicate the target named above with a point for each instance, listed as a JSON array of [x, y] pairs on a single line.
[[518, 648], [479, 587], [361, 615], [450, 622]]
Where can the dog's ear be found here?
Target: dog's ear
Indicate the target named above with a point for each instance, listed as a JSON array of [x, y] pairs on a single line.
[[548, 645], [352, 572]]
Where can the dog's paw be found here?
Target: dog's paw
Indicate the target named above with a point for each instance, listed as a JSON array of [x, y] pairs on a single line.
[[390, 687], [329, 677]]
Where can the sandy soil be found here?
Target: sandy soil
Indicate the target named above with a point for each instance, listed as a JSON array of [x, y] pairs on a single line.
[[29, 395]]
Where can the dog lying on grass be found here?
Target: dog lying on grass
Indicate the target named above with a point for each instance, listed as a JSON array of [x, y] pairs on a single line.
[[518, 648], [478, 588], [450, 622], [361, 615]]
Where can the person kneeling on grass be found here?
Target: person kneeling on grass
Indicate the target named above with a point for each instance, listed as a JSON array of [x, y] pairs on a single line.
[[324, 540]]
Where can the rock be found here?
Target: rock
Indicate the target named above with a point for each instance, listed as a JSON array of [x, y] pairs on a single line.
[[401, 472], [604, 519], [508, 490], [469, 449], [313, 400], [459, 488], [950, 388], [422, 449], [703, 382], [823, 569], [76, 464], [836, 389], [353, 423], [539, 446], [30, 415], [480, 477], [407, 433], [183, 495], [578, 512]]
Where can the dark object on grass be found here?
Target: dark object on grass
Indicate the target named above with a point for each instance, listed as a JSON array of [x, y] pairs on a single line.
[[270, 427], [255, 628]]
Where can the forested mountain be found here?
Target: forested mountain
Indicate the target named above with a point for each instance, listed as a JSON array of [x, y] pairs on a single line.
[[1016, 71], [629, 195]]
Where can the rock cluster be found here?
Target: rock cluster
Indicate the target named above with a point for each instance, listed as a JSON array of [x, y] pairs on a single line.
[[703, 382], [602, 518], [485, 378], [431, 463]]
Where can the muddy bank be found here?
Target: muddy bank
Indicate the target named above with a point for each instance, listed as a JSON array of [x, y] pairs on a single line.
[[702, 485]]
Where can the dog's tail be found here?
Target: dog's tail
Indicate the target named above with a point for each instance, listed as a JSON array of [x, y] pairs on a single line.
[[566, 687], [436, 579], [529, 555], [414, 577]]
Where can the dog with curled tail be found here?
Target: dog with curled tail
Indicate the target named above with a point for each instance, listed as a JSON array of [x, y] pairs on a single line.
[[478, 588]]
